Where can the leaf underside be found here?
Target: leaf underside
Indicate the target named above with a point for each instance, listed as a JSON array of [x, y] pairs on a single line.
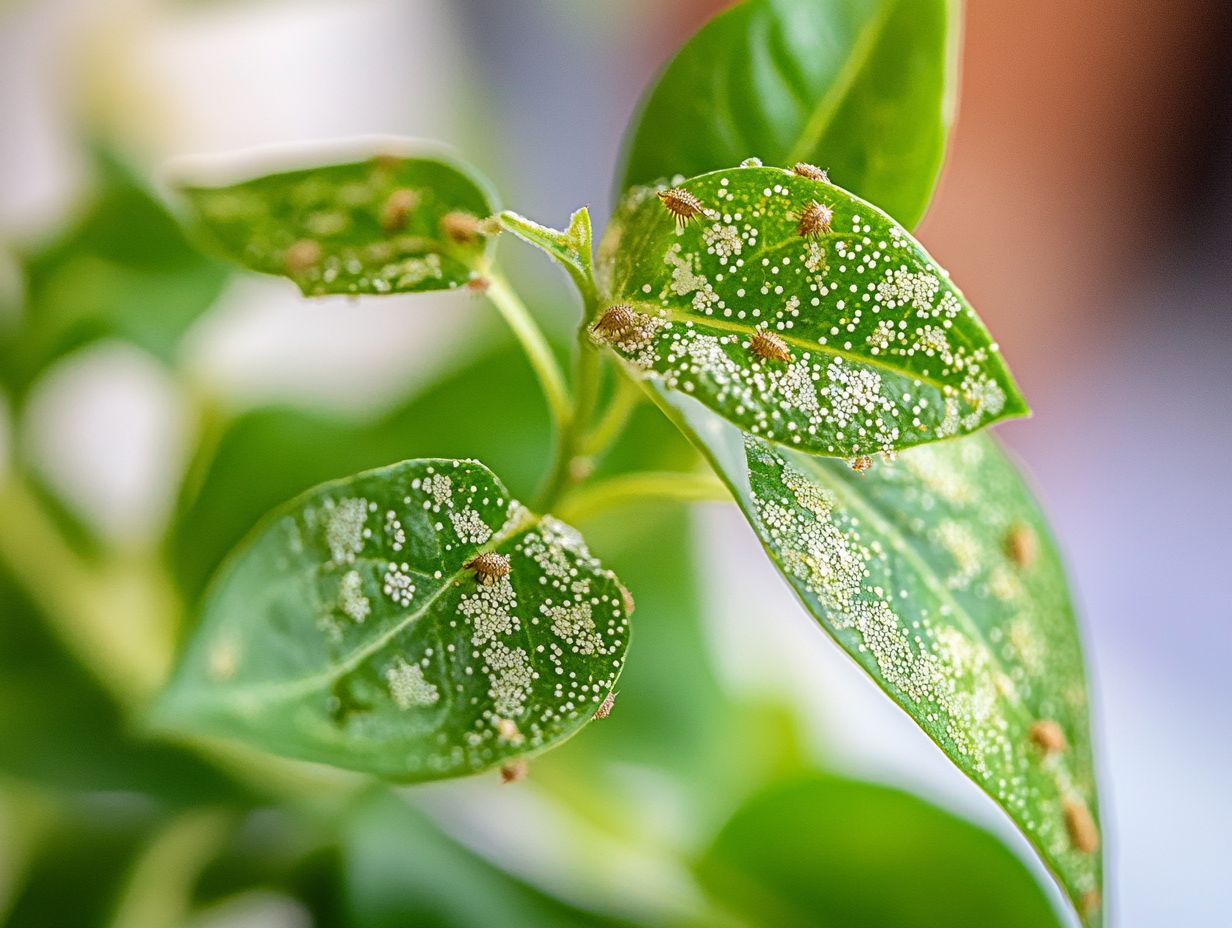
[[348, 630], [878, 350], [936, 573], [388, 224], [861, 87]]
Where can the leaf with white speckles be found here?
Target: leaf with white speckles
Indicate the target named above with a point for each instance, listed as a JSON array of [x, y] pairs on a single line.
[[390, 223], [350, 630], [864, 88], [800, 313], [937, 575]]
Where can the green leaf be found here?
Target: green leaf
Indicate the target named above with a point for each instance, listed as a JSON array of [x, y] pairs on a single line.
[[862, 87], [61, 731], [844, 341], [572, 247], [453, 417], [400, 870], [825, 852], [392, 223], [353, 629], [937, 575]]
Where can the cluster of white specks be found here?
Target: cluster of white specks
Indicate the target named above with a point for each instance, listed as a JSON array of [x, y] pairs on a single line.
[[351, 597], [395, 534], [822, 548], [345, 528], [470, 527], [439, 487], [959, 542], [407, 685], [861, 290], [984, 396], [723, 240], [575, 625], [398, 585], [510, 678], [491, 610], [902, 287], [917, 583]]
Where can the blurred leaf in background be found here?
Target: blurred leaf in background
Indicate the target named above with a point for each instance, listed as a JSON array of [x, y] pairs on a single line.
[[122, 269], [825, 852], [863, 88]]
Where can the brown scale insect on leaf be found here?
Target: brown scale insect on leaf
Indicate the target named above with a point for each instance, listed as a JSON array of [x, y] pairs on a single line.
[[627, 598], [605, 708], [478, 285], [397, 209], [1083, 832], [815, 220], [861, 464], [488, 567], [615, 322], [1049, 736], [811, 171], [514, 770], [684, 206], [460, 227], [302, 257], [1021, 545], [769, 346], [1091, 901]]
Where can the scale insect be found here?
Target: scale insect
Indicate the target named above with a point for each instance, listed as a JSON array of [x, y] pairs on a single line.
[[684, 206], [815, 220], [769, 347], [489, 567], [615, 322], [811, 171]]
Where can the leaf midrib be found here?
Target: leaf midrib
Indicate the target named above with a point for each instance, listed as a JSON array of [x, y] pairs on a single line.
[[803, 344], [301, 685]]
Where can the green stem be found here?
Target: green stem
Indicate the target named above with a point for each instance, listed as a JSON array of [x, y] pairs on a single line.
[[627, 397], [675, 486], [533, 342], [570, 464]]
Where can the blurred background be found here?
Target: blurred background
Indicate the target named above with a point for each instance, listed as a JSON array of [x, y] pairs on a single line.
[[1085, 208]]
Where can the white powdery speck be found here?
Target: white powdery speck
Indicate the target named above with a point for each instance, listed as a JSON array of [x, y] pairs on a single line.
[[575, 624], [344, 530], [354, 603], [490, 609], [470, 527], [407, 685], [398, 585], [511, 678]]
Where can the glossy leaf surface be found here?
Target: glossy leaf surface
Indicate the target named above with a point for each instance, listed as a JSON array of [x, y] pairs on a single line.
[[350, 630], [937, 575], [824, 852], [800, 313], [861, 87], [392, 223]]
